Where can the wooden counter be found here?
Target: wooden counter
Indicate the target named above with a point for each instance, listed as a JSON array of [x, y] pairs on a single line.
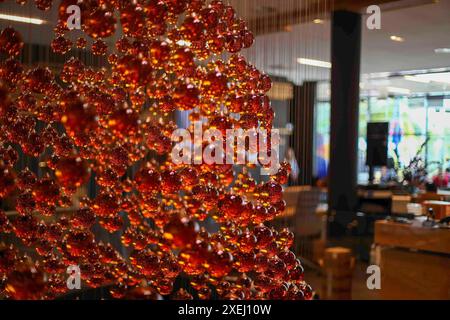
[[414, 261], [388, 233]]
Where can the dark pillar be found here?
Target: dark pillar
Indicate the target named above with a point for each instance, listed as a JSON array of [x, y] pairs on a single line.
[[303, 138], [345, 58]]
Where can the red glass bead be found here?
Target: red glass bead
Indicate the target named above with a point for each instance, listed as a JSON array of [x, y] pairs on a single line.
[[105, 204], [71, 172], [99, 48], [61, 45], [46, 191], [7, 181], [220, 263], [43, 4], [11, 71], [78, 243], [83, 218], [100, 24], [181, 232], [11, 42], [39, 80], [231, 206], [186, 96], [170, 182], [26, 281], [8, 256]]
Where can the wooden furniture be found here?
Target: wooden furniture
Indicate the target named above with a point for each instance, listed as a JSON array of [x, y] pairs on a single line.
[[337, 264], [414, 275], [414, 261], [429, 196], [394, 202], [375, 201], [291, 195], [400, 203], [308, 221], [445, 193], [393, 234], [441, 209]]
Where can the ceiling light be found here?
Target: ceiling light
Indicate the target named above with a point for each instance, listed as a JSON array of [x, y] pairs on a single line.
[[417, 79], [442, 50], [21, 19], [318, 21], [184, 43], [397, 38], [288, 28], [376, 75], [314, 63], [443, 77], [398, 90]]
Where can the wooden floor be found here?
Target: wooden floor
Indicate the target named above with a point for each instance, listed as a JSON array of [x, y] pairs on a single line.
[[359, 287]]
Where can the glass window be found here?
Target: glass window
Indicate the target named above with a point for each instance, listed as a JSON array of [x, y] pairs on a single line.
[[412, 120], [322, 140]]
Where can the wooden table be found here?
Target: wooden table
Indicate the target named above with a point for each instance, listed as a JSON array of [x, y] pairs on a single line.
[[400, 235], [414, 261]]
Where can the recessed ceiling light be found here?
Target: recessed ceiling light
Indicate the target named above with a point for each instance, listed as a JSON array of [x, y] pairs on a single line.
[[442, 50], [21, 19], [443, 77], [314, 63], [397, 38], [184, 43], [288, 28], [417, 79], [398, 90], [318, 21]]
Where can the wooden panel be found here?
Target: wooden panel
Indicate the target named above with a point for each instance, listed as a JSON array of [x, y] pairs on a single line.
[[430, 196], [400, 203], [412, 275], [441, 209], [406, 236]]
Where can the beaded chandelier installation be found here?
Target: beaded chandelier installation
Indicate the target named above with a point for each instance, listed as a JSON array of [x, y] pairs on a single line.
[[95, 125]]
